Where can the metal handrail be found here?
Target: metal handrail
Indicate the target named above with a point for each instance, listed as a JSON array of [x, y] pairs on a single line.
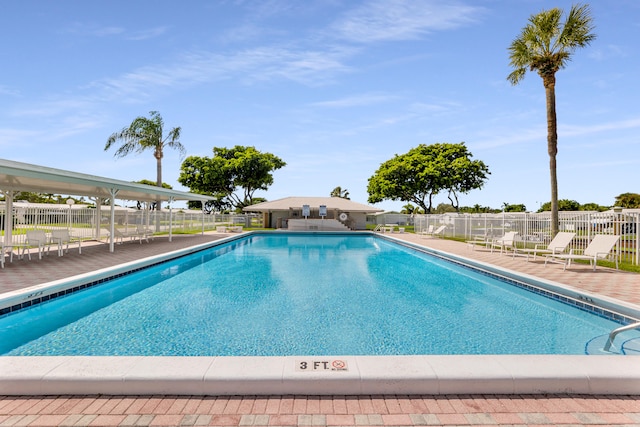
[[612, 334]]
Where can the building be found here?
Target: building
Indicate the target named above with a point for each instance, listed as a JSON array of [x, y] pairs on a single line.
[[313, 213]]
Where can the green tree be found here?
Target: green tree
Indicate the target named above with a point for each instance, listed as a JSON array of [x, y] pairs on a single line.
[[545, 45], [506, 207], [339, 192], [153, 184], [628, 200], [592, 207], [478, 209], [443, 208], [230, 170], [563, 205], [409, 209], [425, 171], [147, 134]]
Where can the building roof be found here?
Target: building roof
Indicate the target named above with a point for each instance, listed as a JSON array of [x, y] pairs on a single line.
[[17, 176], [343, 205]]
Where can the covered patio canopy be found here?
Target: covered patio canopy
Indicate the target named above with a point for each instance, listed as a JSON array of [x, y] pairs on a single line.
[[17, 176]]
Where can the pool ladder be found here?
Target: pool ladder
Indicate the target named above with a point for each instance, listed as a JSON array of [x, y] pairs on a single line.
[[612, 334]]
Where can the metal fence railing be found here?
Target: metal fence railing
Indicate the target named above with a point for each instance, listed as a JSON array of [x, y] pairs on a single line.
[[532, 228], [535, 228], [89, 223]]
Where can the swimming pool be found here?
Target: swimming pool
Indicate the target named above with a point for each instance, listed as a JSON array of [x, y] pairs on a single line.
[[305, 294], [307, 374]]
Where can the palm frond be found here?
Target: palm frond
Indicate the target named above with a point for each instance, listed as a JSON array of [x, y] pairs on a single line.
[[545, 43]]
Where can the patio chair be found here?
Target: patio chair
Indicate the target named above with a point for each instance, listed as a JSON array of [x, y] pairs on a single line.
[[37, 239], [505, 242], [62, 238], [557, 246], [599, 248]]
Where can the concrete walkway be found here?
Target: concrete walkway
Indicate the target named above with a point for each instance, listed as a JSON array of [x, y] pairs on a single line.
[[518, 410]]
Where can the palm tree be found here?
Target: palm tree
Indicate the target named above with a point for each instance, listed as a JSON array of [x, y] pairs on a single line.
[[339, 192], [546, 45], [144, 134]]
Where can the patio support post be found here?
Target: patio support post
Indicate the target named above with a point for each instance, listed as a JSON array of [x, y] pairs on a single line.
[[171, 200], [637, 233], [98, 217], [8, 217], [112, 192]]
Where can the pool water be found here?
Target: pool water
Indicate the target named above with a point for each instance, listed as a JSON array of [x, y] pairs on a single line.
[[302, 294]]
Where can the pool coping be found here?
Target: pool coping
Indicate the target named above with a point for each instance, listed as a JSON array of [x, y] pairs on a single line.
[[330, 375]]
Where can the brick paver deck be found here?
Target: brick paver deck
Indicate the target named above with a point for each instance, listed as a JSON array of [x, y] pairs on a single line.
[[512, 410]]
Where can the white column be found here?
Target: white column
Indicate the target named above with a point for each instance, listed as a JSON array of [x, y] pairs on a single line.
[[112, 192]]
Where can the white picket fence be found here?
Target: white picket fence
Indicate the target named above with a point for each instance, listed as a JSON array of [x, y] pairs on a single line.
[[87, 223], [535, 228]]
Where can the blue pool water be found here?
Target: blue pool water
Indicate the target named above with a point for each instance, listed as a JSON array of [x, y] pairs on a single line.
[[302, 294]]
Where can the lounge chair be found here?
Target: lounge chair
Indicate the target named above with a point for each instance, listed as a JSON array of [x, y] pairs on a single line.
[[144, 232], [599, 248], [138, 233], [37, 239], [557, 246], [119, 235], [438, 232], [484, 241], [428, 231], [505, 242], [62, 238]]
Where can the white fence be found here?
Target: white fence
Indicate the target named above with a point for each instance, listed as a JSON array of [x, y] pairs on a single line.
[[88, 223], [535, 228]]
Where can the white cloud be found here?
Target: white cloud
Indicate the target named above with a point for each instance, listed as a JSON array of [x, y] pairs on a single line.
[[570, 130], [147, 34], [356, 101], [6, 90], [607, 52], [92, 30], [392, 20]]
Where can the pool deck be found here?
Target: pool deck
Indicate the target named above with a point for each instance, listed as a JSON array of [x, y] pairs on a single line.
[[326, 410]]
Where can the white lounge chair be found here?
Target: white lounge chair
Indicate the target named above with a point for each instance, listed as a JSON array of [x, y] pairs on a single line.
[[557, 246], [505, 242], [437, 232], [119, 235], [484, 241], [599, 248], [63, 238], [428, 231], [138, 233], [144, 232]]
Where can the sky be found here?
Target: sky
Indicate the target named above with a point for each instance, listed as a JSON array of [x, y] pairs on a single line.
[[333, 87]]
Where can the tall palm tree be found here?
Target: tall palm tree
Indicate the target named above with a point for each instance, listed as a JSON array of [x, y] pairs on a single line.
[[147, 134], [546, 45]]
